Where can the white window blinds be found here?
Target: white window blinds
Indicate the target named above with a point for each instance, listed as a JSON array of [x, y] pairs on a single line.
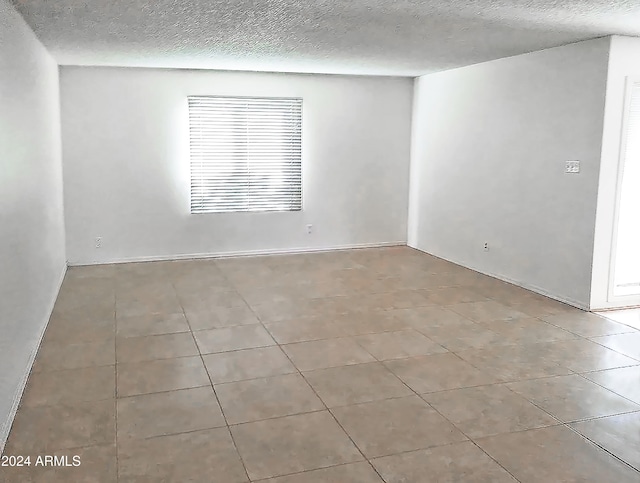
[[245, 154]]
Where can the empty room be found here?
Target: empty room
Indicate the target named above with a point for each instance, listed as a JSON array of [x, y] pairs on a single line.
[[301, 242]]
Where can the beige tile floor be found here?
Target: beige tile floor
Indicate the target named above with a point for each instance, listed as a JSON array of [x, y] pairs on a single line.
[[352, 366]]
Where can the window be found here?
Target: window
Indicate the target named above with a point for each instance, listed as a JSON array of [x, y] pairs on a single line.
[[245, 154]]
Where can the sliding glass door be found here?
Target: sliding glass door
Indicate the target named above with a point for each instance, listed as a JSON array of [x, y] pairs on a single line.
[[626, 253]]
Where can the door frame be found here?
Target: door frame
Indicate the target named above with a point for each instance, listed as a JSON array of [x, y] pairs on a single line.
[[633, 299]]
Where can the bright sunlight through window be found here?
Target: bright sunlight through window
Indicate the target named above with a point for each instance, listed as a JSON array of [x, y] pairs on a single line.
[[245, 154]]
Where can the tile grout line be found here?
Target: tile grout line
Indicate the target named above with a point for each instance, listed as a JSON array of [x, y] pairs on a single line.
[[415, 393], [379, 361], [500, 383], [326, 408], [224, 416], [597, 445], [450, 422], [329, 410], [610, 390], [597, 418], [614, 350], [565, 311], [562, 423], [268, 478]]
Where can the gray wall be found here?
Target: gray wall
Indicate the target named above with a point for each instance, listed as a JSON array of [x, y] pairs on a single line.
[[32, 254], [489, 144], [126, 164]]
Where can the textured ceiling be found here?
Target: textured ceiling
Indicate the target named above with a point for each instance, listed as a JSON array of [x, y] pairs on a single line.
[[388, 37]]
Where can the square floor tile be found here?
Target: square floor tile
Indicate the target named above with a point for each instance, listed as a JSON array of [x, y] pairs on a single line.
[[391, 426], [528, 331], [196, 456], [459, 462], [252, 276], [90, 271], [265, 398], [555, 454], [536, 305], [293, 444], [587, 324], [306, 329], [47, 428], [322, 354], [452, 295], [153, 347], [619, 435], [369, 322], [78, 294], [513, 363], [630, 317], [202, 291], [463, 335], [151, 324], [340, 386], [266, 295], [247, 364], [488, 410], [397, 299], [498, 290], [161, 375], [232, 338], [438, 372], [146, 302], [54, 356], [624, 381], [73, 385], [487, 311], [280, 311], [583, 355], [192, 286], [77, 330], [219, 317], [348, 304], [319, 286], [398, 345], [171, 412], [202, 298], [422, 317], [351, 473], [89, 309], [627, 344], [570, 398], [426, 280]]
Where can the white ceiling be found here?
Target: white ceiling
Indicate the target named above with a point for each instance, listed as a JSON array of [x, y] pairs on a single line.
[[387, 37]]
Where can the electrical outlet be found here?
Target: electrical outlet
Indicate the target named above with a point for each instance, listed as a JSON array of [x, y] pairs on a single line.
[[486, 246], [309, 229], [572, 167], [98, 242]]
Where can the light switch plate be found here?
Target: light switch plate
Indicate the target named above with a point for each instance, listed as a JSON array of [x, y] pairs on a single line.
[[572, 167]]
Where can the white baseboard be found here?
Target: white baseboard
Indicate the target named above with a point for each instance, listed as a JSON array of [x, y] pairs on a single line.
[[245, 253], [5, 428], [615, 309], [519, 283], [541, 291], [631, 302]]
